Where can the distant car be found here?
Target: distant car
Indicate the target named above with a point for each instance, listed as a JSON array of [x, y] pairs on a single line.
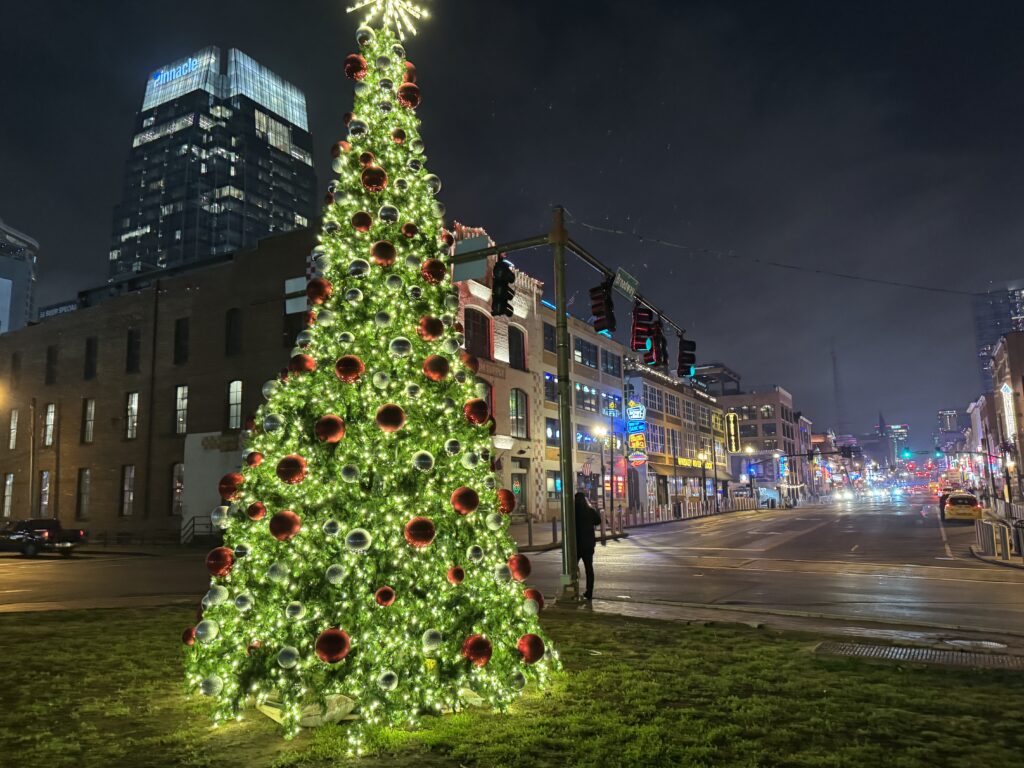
[[31, 537], [960, 505], [844, 495]]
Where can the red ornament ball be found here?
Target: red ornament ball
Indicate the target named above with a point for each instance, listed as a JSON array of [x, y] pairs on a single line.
[[341, 148], [301, 364], [319, 290], [252, 647], [383, 253], [409, 95], [476, 411], [410, 72], [219, 561], [328, 199], [361, 221], [228, 486], [254, 458], [349, 368], [390, 417], [410, 230], [310, 319], [398, 135], [367, 159], [465, 500], [355, 66], [374, 178], [506, 501], [470, 361], [430, 328], [535, 595], [456, 574], [520, 567], [250, 424], [347, 118], [329, 428], [436, 367], [477, 649], [384, 596], [332, 645], [188, 637], [447, 238], [285, 524], [434, 271], [256, 511], [531, 647], [292, 469], [419, 532]]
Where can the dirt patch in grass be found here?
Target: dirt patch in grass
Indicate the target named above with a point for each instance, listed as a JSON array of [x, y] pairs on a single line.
[[103, 688]]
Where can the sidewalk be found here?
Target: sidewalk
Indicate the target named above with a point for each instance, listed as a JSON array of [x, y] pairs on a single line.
[[144, 550]]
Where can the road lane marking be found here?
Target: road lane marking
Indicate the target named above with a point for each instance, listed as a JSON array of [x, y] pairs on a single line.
[[945, 541], [854, 547]]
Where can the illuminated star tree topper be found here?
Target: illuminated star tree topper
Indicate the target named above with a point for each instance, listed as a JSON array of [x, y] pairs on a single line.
[[399, 14]]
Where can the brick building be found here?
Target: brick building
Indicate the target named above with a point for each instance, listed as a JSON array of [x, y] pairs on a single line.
[[100, 405]]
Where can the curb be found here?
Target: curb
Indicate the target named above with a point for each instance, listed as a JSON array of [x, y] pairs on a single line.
[[994, 560]]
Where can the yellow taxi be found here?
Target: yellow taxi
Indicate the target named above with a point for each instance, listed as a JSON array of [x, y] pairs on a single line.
[[960, 505]]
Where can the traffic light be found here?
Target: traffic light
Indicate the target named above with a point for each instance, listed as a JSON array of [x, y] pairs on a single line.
[[502, 279], [644, 323], [906, 453], [658, 353], [602, 309], [939, 454], [687, 357]]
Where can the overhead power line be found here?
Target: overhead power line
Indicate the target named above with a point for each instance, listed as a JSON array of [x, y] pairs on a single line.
[[778, 264]]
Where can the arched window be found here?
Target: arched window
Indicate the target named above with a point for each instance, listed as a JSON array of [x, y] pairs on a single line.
[[478, 333], [516, 348], [518, 414]]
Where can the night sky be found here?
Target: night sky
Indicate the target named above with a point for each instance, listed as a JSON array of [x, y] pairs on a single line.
[[860, 137]]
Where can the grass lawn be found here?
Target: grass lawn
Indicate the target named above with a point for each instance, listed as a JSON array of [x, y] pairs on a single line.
[[102, 688]]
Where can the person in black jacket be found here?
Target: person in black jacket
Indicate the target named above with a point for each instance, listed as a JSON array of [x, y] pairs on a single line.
[[587, 518]]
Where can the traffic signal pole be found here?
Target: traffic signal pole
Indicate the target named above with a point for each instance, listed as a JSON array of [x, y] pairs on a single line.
[[559, 239]]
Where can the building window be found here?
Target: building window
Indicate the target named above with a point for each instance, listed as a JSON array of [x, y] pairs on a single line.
[[551, 432], [92, 346], [51, 364], [12, 438], [766, 429], [8, 493], [15, 369], [233, 332], [611, 363], [585, 441], [44, 493], [705, 416], [516, 348], [133, 352], [586, 399], [554, 485], [82, 495], [691, 445], [127, 490], [294, 324], [767, 412], [671, 404], [653, 398], [550, 388], [655, 438], [585, 353], [750, 430], [612, 405], [235, 405], [478, 334], [518, 414], [181, 409], [49, 420], [550, 338], [177, 488], [88, 419], [675, 445], [131, 416], [770, 445], [181, 341]]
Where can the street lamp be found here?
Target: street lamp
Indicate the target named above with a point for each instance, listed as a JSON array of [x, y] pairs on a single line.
[[602, 433], [702, 458], [749, 450]]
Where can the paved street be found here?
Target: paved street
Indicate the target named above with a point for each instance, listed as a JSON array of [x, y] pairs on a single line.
[[856, 560]]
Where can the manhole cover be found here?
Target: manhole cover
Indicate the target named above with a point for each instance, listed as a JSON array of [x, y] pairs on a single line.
[[922, 655]]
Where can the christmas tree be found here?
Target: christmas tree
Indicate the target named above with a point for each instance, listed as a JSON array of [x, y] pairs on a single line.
[[366, 552]]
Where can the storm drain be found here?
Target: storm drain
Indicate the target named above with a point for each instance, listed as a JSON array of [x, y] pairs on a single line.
[[922, 655]]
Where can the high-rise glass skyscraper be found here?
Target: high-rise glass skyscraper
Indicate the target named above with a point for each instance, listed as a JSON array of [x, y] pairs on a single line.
[[17, 278], [996, 313], [218, 160]]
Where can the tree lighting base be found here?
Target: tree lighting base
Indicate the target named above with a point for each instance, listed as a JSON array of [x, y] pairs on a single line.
[[338, 708]]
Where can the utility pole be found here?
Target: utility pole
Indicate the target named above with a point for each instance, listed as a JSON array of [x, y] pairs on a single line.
[[570, 574], [31, 456]]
